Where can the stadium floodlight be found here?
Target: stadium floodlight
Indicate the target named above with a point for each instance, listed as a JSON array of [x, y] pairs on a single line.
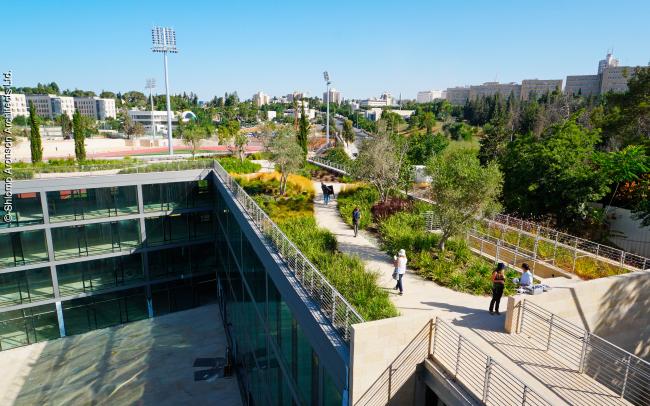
[[326, 76], [151, 84], [164, 41]]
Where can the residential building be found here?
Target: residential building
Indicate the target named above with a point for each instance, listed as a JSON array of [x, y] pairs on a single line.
[[428, 96], [51, 106], [261, 99], [334, 96], [489, 89], [539, 87], [295, 95], [582, 85], [457, 96], [17, 105]]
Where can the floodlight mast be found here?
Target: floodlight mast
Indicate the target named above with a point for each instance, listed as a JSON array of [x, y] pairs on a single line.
[[164, 40], [151, 84], [326, 76]]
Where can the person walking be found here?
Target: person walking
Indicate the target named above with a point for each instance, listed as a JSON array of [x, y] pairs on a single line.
[[356, 218], [498, 281], [400, 267], [326, 193]]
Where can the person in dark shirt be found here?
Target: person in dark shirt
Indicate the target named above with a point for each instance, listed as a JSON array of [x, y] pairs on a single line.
[[356, 218], [498, 282]]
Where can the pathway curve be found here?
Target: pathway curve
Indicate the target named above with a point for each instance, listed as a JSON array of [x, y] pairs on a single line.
[[469, 315]]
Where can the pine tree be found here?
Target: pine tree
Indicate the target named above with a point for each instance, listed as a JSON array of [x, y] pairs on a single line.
[[35, 142], [303, 130], [79, 137]]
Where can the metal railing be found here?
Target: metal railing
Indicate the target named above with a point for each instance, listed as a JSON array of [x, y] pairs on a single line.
[[480, 375], [432, 221], [330, 165], [578, 247], [336, 309], [625, 374]]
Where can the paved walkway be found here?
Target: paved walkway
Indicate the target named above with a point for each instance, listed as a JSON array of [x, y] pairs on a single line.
[[468, 313]]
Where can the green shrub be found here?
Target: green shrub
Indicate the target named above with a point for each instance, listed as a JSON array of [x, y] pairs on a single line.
[[338, 155], [234, 165]]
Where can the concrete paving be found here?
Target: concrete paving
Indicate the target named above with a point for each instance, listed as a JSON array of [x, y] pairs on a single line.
[[148, 362], [469, 315]]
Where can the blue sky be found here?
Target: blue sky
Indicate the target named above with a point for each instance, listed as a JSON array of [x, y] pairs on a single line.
[[368, 47]]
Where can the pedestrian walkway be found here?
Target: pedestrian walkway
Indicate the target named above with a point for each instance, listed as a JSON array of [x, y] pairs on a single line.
[[469, 315]]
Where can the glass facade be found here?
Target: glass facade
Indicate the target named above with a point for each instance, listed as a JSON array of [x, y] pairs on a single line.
[[84, 204], [93, 239], [179, 227], [177, 195], [278, 364], [99, 274], [181, 262], [27, 286], [26, 211], [28, 326], [22, 248]]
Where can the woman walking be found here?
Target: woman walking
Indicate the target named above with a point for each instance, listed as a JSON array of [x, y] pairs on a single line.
[[498, 281], [356, 218], [400, 267]]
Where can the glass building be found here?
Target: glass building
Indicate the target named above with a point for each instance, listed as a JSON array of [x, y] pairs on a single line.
[[128, 247]]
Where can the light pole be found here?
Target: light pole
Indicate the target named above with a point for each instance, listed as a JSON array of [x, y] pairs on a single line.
[[326, 76], [151, 84], [164, 40]]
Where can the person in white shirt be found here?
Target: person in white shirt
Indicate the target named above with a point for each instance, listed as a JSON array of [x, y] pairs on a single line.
[[526, 277], [400, 267]]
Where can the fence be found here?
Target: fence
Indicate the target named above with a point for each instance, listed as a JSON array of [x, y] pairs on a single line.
[[577, 247], [620, 371], [482, 377], [330, 165], [333, 305]]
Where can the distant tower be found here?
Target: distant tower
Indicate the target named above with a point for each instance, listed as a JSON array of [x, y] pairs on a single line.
[[608, 62]]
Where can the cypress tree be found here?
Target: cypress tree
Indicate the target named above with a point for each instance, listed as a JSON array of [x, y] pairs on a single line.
[[35, 142], [79, 137], [303, 130]]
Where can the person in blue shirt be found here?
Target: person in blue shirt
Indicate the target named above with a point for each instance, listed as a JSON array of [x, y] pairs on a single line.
[[356, 218], [526, 277]]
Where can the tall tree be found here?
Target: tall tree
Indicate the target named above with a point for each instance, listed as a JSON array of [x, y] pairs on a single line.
[[303, 130], [429, 121], [193, 136], [348, 131], [463, 191], [35, 142], [66, 125], [79, 136], [286, 154]]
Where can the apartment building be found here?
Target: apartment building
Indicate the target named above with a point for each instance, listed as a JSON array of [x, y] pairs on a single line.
[[261, 99], [16, 104], [334, 96], [531, 87], [457, 96]]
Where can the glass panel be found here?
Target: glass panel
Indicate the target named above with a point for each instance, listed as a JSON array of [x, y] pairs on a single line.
[[178, 227], [81, 204], [107, 273], [177, 195], [26, 211], [93, 239], [27, 326], [22, 247], [25, 286]]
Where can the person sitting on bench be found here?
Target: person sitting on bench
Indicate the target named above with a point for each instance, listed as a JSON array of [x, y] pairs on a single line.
[[526, 277]]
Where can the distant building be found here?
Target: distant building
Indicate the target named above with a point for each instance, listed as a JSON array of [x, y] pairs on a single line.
[[51, 106], [385, 100], [17, 106], [261, 99], [614, 79], [373, 113], [457, 96], [309, 113], [489, 89], [271, 114], [428, 96], [405, 114], [539, 87], [582, 85], [149, 119], [608, 62], [295, 95], [95, 107], [335, 96]]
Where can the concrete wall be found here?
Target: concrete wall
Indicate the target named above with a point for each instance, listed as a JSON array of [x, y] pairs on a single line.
[[378, 345], [615, 308], [628, 233]]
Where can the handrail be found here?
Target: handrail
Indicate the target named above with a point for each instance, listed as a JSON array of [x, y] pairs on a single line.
[[336, 309], [329, 165], [622, 372]]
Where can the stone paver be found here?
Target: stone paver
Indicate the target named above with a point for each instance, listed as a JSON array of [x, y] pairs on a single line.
[[468, 314]]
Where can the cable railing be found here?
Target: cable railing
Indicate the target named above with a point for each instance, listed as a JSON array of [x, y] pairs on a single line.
[[577, 247], [336, 309], [330, 165], [620, 371]]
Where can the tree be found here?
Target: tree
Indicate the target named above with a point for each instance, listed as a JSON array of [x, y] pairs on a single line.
[[286, 154], [107, 95], [193, 136], [66, 125], [463, 191], [429, 121], [230, 133], [35, 142], [423, 147], [381, 163], [132, 128], [623, 166], [348, 131], [303, 130], [240, 141], [555, 174], [79, 136]]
